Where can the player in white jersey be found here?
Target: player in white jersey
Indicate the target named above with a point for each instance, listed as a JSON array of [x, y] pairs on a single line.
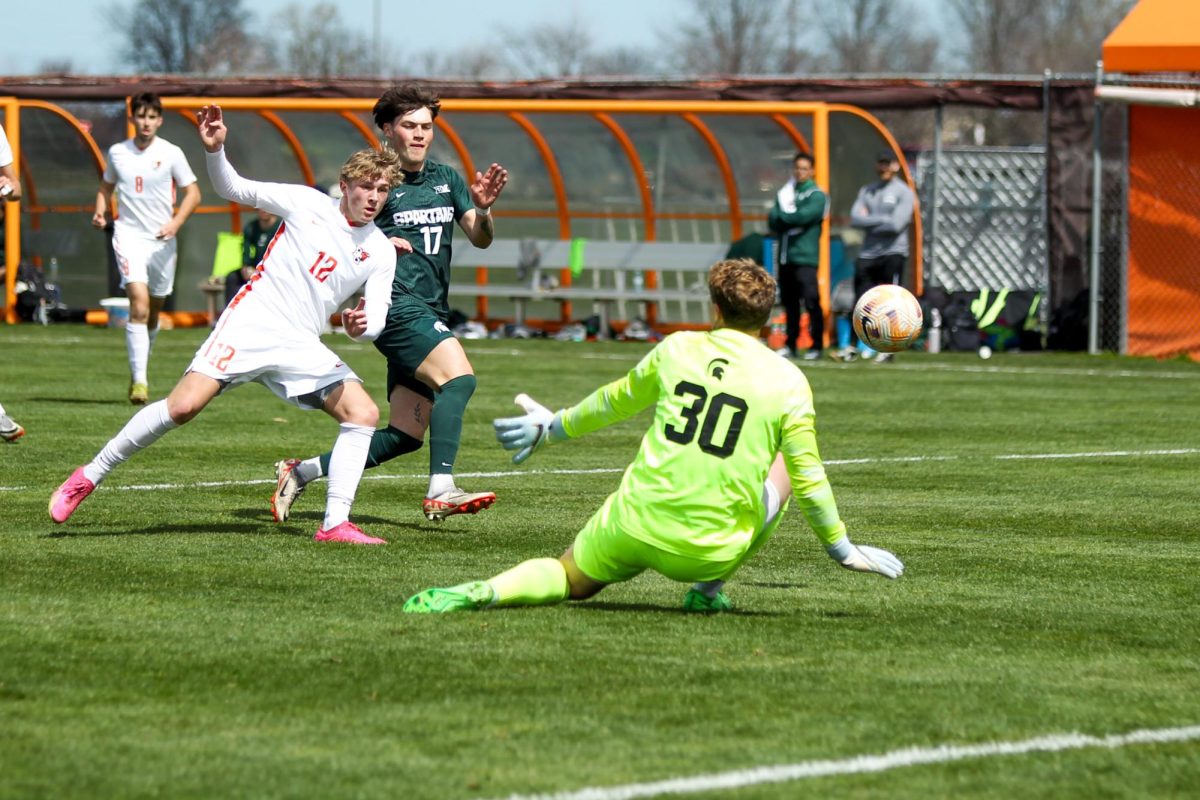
[[324, 252], [10, 191], [145, 172]]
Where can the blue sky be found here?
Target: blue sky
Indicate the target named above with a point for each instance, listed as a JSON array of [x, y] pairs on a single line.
[[72, 29]]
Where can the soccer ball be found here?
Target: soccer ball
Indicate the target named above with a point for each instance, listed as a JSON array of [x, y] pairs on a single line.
[[887, 318]]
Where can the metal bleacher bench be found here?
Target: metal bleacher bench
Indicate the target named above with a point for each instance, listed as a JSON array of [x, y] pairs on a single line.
[[525, 271]]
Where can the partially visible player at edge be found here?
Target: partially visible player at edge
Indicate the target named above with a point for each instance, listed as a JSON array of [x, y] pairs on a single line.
[[325, 251], [10, 192], [430, 380], [733, 438], [145, 172]]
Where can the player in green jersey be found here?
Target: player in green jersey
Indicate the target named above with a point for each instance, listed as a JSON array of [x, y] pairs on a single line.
[[430, 380], [733, 438]]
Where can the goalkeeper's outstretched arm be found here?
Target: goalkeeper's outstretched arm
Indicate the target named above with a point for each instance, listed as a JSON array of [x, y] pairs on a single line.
[[814, 496]]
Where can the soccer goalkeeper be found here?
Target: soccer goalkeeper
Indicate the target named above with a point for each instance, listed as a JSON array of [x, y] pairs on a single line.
[[733, 439]]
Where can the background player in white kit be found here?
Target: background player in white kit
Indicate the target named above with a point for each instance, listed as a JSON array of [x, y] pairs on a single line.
[[10, 191], [324, 252], [145, 171]]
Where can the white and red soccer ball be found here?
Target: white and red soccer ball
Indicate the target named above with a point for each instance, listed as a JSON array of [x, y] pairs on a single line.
[[887, 318]]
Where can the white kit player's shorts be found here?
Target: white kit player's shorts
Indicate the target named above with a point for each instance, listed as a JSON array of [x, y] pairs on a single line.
[[294, 365], [148, 261]]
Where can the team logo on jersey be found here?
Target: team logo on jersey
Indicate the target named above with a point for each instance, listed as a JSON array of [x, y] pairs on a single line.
[[157, 164], [361, 255], [716, 368], [399, 195], [440, 326], [442, 189]]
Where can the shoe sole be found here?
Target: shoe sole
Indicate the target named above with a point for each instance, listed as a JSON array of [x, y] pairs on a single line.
[[12, 436], [470, 507]]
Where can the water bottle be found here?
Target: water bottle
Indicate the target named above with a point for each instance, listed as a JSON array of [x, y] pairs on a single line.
[[53, 270], [639, 281], [933, 340]]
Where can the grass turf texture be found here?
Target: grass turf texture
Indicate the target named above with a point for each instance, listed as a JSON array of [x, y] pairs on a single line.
[[170, 640]]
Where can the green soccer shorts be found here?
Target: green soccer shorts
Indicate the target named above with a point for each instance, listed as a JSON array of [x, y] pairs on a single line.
[[411, 332]]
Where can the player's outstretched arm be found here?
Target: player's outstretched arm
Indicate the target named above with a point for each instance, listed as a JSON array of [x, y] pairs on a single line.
[[863, 558], [527, 433]]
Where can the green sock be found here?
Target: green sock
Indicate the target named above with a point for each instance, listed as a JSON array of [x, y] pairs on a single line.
[[536, 582], [445, 423], [386, 444]]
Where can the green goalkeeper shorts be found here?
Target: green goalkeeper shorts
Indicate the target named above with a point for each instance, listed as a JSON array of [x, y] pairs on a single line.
[[607, 554]]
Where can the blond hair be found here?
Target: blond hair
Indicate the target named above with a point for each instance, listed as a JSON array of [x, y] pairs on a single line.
[[370, 165], [743, 292]]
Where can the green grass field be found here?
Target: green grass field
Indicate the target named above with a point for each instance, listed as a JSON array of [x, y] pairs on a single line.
[[172, 641]]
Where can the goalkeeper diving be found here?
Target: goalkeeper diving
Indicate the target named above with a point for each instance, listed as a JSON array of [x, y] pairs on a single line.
[[733, 440]]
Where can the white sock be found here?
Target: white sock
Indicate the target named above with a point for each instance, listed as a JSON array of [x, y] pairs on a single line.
[[143, 430], [709, 589], [137, 345], [346, 464], [1, 409], [309, 469], [151, 335], [440, 483]]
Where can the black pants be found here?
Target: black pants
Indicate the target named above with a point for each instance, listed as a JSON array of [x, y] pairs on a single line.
[[871, 272], [798, 282]]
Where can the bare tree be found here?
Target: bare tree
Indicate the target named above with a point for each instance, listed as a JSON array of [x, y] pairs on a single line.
[[1024, 36], [627, 61], [195, 36], [736, 37], [864, 36], [317, 44], [1000, 36], [550, 50]]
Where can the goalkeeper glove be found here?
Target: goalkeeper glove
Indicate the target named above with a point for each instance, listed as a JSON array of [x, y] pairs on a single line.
[[528, 433], [861, 558]]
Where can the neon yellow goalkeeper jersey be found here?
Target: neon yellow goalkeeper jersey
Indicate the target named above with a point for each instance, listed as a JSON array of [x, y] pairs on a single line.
[[726, 405]]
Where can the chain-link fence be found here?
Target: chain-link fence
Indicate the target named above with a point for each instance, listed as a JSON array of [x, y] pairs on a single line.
[[1114, 227], [1150, 207]]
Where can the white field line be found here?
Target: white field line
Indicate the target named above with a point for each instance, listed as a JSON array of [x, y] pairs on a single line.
[[856, 765], [515, 473]]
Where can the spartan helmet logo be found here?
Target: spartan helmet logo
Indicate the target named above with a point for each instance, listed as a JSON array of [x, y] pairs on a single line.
[[716, 368]]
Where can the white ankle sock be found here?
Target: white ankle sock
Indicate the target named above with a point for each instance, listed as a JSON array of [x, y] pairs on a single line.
[[709, 589], [346, 464], [143, 429], [137, 345], [440, 483], [309, 469]]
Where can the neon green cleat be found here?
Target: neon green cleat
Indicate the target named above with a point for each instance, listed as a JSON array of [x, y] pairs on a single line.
[[698, 603], [464, 597]]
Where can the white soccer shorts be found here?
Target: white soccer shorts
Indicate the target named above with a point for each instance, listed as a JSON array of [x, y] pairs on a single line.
[[148, 261], [292, 364]]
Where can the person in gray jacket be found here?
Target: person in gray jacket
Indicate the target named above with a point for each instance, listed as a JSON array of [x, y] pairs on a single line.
[[883, 211]]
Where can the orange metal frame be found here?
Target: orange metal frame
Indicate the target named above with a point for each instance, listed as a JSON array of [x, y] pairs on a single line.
[[519, 111]]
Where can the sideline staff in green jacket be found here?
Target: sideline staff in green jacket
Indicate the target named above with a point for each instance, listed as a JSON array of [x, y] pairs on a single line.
[[800, 209]]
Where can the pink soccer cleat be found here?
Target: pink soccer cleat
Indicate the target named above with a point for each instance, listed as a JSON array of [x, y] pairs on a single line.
[[67, 497], [348, 533]]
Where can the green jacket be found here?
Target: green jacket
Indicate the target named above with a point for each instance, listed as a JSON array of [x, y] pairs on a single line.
[[799, 231]]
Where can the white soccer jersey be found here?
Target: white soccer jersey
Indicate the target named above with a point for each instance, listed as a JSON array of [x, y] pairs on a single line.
[[146, 181], [5, 149], [315, 262]]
